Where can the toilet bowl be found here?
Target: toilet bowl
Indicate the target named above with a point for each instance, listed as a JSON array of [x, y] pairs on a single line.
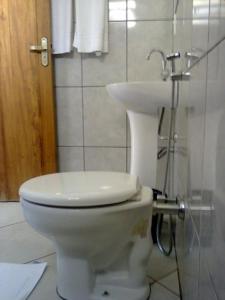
[[99, 223]]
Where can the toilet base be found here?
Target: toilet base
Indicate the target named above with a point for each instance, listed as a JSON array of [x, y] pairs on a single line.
[[78, 280], [103, 292]]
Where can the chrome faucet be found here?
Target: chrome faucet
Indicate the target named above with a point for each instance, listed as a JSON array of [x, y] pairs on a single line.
[[165, 72]]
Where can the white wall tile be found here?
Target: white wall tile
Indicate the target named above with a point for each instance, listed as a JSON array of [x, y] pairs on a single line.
[[193, 9], [110, 67], [105, 159], [104, 119], [184, 9], [149, 9], [117, 10], [68, 69], [69, 116], [71, 159], [142, 37]]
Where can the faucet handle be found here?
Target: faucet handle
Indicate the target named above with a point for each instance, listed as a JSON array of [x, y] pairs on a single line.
[[192, 56], [173, 56]]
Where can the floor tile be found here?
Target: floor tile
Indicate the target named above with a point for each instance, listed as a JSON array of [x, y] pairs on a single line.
[[159, 265], [171, 283], [20, 243], [160, 293], [46, 288], [10, 213]]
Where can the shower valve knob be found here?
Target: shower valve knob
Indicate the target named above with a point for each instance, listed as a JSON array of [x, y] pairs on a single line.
[[173, 56]]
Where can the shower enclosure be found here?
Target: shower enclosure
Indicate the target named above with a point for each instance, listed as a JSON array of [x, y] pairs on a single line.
[[199, 158]]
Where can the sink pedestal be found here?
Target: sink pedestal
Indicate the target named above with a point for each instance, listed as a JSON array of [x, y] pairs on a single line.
[[144, 129], [142, 101]]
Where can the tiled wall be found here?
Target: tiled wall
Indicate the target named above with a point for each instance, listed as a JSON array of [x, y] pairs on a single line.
[[92, 129], [200, 158]]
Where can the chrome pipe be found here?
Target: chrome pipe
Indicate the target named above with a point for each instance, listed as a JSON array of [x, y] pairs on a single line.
[[176, 207], [166, 208]]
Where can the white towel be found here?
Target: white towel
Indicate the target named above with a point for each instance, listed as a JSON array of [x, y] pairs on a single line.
[[17, 281], [91, 34], [62, 21]]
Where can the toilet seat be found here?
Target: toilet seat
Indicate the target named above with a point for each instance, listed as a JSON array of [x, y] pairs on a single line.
[[80, 189]]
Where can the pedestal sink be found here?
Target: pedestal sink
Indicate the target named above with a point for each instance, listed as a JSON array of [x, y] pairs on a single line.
[[142, 101]]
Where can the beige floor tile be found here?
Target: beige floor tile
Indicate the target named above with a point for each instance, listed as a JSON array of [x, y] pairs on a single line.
[[46, 288], [20, 243], [10, 213], [171, 283], [160, 293], [159, 265]]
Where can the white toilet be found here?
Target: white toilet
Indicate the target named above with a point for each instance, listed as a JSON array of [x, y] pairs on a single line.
[[99, 223]]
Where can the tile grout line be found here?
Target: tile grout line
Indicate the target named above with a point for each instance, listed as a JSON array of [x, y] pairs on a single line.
[[4, 226], [82, 95], [178, 270], [41, 257], [166, 275], [158, 281], [167, 288], [113, 147], [150, 277], [166, 19], [126, 80], [78, 86]]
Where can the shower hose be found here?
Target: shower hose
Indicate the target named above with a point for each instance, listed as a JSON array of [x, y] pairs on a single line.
[[159, 225]]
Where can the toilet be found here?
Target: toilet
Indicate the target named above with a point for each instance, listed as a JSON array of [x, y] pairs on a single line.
[[99, 223]]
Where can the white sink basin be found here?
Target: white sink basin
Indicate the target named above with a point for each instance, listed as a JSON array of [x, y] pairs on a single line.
[[142, 97]]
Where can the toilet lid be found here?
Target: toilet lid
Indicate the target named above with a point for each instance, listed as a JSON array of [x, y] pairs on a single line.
[[80, 189]]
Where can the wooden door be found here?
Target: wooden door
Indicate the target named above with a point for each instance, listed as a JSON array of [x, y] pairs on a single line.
[[27, 118]]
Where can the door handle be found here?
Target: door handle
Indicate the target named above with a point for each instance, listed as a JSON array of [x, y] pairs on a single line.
[[43, 49]]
